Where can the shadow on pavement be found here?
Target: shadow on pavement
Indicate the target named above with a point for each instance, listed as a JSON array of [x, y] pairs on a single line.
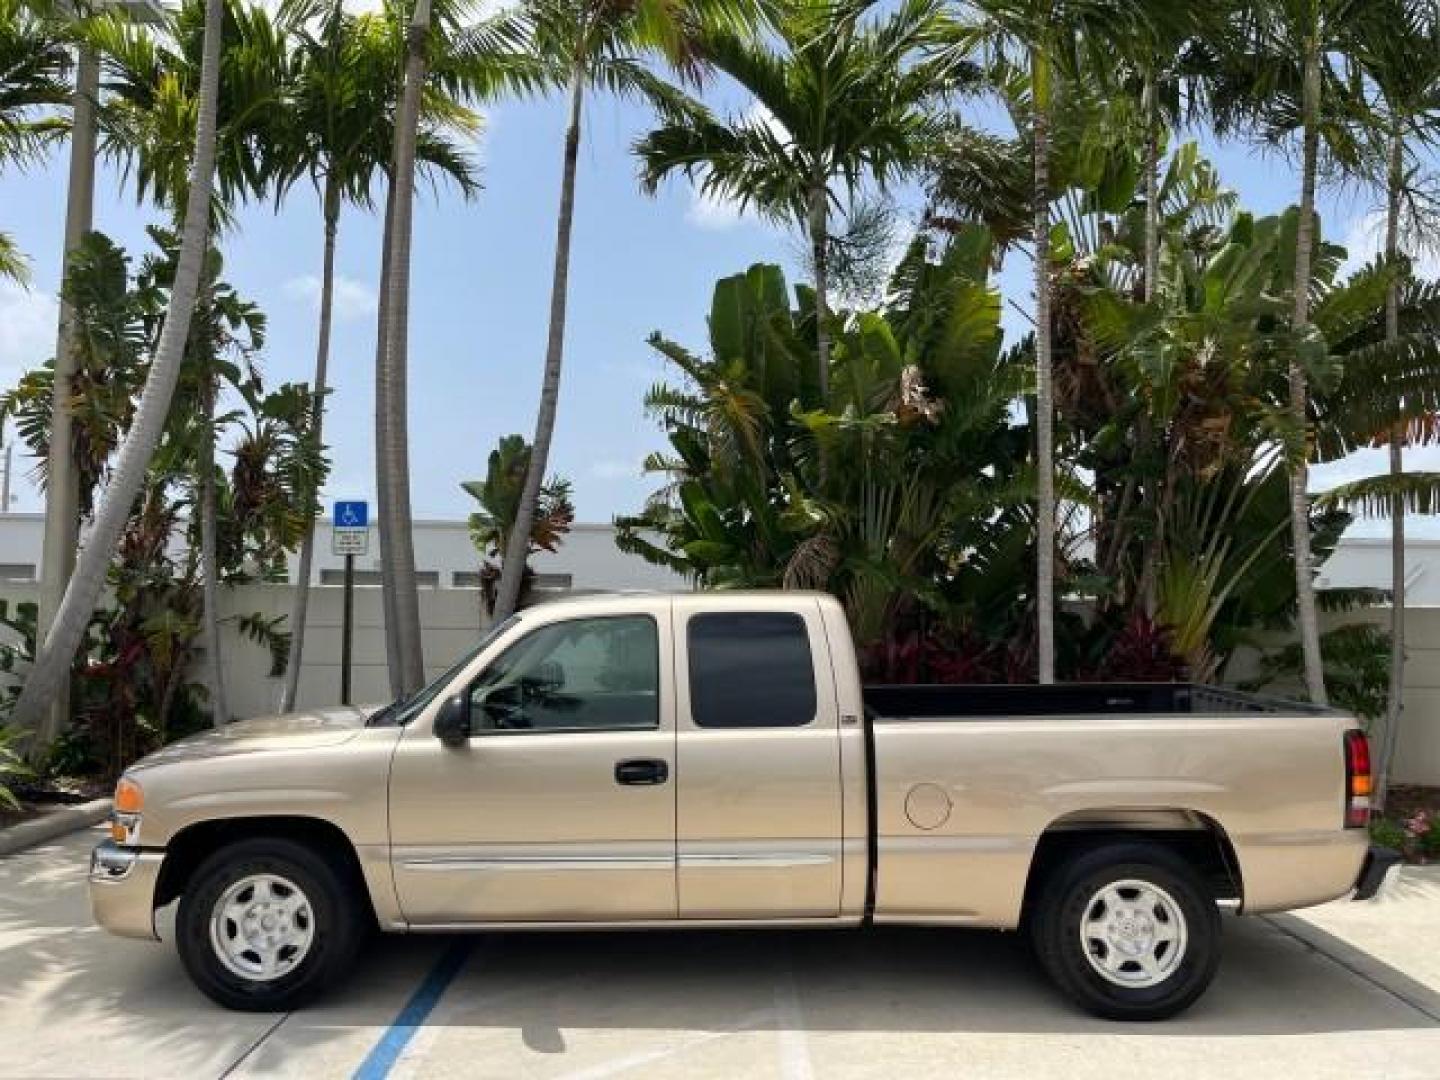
[[884, 979]]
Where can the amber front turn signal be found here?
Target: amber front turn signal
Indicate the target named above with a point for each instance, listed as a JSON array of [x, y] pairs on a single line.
[[128, 797]]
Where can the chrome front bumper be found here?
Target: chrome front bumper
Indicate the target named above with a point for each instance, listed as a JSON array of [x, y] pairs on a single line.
[[122, 889]]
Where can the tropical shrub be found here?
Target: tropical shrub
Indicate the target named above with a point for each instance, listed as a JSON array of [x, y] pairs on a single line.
[[131, 684], [12, 768], [894, 492], [499, 498]]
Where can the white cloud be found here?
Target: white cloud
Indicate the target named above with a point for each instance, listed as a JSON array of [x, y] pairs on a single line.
[[27, 330], [1365, 239], [614, 469], [353, 299], [713, 212]]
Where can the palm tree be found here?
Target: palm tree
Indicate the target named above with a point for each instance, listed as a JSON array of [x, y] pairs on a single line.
[[153, 86], [1397, 47], [1279, 76], [53, 659], [480, 59], [596, 44], [340, 102], [838, 102], [1044, 42]]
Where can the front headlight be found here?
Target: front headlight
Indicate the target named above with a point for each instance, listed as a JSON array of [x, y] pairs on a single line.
[[125, 820]]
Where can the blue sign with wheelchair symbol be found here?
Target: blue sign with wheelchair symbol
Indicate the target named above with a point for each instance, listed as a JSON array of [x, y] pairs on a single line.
[[352, 515]]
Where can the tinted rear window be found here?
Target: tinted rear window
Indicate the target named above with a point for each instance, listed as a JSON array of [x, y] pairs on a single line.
[[750, 669]]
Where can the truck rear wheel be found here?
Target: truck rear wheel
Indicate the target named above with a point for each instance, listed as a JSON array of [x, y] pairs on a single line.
[[265, 925], [1129, 931]]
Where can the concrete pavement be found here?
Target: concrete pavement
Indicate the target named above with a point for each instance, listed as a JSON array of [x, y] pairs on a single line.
[[1341, 991]]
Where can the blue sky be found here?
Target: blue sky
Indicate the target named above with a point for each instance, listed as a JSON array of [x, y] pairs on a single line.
[[481, 280]]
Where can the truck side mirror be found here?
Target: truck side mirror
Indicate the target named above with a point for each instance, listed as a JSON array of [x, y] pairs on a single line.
[[452, 721]]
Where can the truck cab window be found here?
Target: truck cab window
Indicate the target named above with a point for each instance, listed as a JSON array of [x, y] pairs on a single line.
[[750, 669], [598, 674]]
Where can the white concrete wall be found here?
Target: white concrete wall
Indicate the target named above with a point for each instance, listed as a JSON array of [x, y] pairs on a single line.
[[450, 617], [1417, 755], [588, 555]]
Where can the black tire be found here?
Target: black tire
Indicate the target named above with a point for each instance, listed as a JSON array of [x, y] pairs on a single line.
[[1071, 892], [337, 930]]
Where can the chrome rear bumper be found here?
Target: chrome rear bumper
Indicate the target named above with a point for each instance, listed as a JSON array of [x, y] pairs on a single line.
[[122, 889]]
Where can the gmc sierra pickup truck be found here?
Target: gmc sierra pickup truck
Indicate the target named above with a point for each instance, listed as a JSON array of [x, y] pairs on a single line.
[[712, 760]]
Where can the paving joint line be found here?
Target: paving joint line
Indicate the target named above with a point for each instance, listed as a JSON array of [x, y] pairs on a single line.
[[1354, 969], [264, 1036]]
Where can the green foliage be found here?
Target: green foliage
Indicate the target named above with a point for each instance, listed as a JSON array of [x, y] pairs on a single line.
[[271, 634], [1417, 837], [889, 492], [131, 685], [12, 767], [838, 103], [499, 498], [1388, 834]]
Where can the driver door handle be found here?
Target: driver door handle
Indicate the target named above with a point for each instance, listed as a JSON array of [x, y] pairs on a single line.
[[642, 771]]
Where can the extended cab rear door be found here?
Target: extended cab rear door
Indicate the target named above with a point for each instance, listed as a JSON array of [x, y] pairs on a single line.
[[758, 801]]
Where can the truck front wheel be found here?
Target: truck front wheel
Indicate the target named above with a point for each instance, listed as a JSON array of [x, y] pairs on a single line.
[[1128, 930], [265, 925]]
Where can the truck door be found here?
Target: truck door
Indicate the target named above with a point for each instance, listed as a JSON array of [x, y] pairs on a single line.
[[561, 805], [759, 822]]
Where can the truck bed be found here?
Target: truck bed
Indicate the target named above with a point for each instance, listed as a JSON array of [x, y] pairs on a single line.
[[978, 702]]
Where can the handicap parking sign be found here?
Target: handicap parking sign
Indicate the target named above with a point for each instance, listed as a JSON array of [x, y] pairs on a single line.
[[352, 515]]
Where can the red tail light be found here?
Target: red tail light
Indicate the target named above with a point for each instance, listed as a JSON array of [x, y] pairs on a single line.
[[1357, 780]]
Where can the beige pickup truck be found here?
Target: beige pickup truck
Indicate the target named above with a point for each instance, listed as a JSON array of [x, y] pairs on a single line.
[[712, 760]]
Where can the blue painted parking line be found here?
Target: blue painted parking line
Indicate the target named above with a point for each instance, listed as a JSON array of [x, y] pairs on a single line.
[[387, 1051]]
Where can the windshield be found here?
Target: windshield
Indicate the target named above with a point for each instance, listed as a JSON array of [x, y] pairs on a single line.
[[401, 712]]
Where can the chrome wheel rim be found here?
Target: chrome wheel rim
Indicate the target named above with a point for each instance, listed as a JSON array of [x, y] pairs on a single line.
[[262, 927], [1133, 933]]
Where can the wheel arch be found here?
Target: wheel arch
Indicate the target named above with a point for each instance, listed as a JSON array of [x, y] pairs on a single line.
[[195, 843], [1194, 836]]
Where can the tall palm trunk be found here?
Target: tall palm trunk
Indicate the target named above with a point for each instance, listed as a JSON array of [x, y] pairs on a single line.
[[1148, 588], [1151, 108], [1309, 622], [383, 411], [393, 452], [517, 546], [209, 567], [301, 601], [56, 654], [1044, 386], [62, 488], [820, 255], [1395, 704]]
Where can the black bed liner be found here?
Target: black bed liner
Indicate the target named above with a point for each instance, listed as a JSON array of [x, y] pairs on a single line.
[[936, 701]]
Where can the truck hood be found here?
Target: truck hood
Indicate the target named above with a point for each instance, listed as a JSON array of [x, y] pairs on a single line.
[[293, 731]]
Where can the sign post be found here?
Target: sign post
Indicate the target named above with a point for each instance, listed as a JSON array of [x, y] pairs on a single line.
[[349, 536]]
